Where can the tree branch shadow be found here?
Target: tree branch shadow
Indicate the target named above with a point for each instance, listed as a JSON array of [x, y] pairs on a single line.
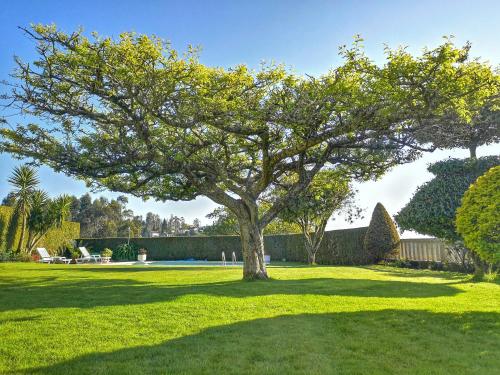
[[91, 292], [386, 341]]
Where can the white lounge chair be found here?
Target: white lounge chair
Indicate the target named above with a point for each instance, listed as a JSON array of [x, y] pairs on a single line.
[[46, 258], [87, 257], [44, 255]]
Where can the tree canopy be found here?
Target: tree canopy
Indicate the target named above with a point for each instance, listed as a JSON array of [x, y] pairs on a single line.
[[226, 223], [133, 115], [433, 207]]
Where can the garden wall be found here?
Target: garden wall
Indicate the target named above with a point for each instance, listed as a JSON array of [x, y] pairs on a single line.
[[338, 247], [54, 240]]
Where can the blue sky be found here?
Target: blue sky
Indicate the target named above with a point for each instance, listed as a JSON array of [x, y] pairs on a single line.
[[304, 35]]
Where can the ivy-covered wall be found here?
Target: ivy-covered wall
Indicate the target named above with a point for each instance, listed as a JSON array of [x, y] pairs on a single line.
[[54, 240], [338, 247]]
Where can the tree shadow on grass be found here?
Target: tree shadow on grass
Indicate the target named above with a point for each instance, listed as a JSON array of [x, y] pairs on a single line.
[[375, 342], [409, 272], [91, 292]]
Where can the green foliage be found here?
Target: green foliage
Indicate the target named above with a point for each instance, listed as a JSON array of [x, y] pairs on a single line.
[[14, 230], [107, 253], [9, 228], [382, 238], [338, 247], [14, 256], [478, 218], [125, 252], [330, 191], [223, 223], [226, 223], [102, 217], [24, 180], [55, 239], [433, 207], [327, 193]]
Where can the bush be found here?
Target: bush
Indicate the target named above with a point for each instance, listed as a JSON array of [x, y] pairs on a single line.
[[125, 252], [382, 238], [478, 218], [432, 209], [14, 256], [428, 265], [107, 253]]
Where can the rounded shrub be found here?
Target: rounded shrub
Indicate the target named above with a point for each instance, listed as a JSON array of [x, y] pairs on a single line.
[[478, 218], [107, 253], [382, 239], [433, 207]]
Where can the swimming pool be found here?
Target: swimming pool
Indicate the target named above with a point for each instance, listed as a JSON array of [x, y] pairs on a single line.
[[177, 263]]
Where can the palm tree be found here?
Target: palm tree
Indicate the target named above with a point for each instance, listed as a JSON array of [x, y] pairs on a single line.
[[24, 180], [37, 218], [61, 209], [46, 214]]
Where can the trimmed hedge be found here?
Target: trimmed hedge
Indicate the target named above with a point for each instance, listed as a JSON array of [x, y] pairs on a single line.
[[5, 216], [382, 238], [338, 247], [54, 240]]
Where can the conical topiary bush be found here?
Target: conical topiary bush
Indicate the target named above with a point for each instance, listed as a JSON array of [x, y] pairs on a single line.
[[382, 239]]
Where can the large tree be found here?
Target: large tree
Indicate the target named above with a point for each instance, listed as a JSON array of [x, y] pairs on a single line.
[[133, 115]]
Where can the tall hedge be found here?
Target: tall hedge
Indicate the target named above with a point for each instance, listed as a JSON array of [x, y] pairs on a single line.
[[382, 237], [5, 217], [54, 240], [478, 218], [338, 247]]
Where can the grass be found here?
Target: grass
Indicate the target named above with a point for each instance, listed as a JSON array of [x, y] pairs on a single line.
[[57, 319]]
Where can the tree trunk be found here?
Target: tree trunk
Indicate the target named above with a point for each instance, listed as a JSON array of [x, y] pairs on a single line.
[[313, 235], [472, 150], [23, 230], [311, 258], [252, 244], [310, 249], [479, 267]]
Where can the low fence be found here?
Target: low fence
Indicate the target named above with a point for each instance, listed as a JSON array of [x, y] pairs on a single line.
[[423, 249], [343, 246]]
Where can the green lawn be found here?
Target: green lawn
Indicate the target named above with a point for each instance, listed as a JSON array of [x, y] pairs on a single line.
[[57, 319]]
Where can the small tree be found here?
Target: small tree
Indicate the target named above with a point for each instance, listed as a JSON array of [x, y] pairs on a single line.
[[382, 238], [329, 192], [478, 218]]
